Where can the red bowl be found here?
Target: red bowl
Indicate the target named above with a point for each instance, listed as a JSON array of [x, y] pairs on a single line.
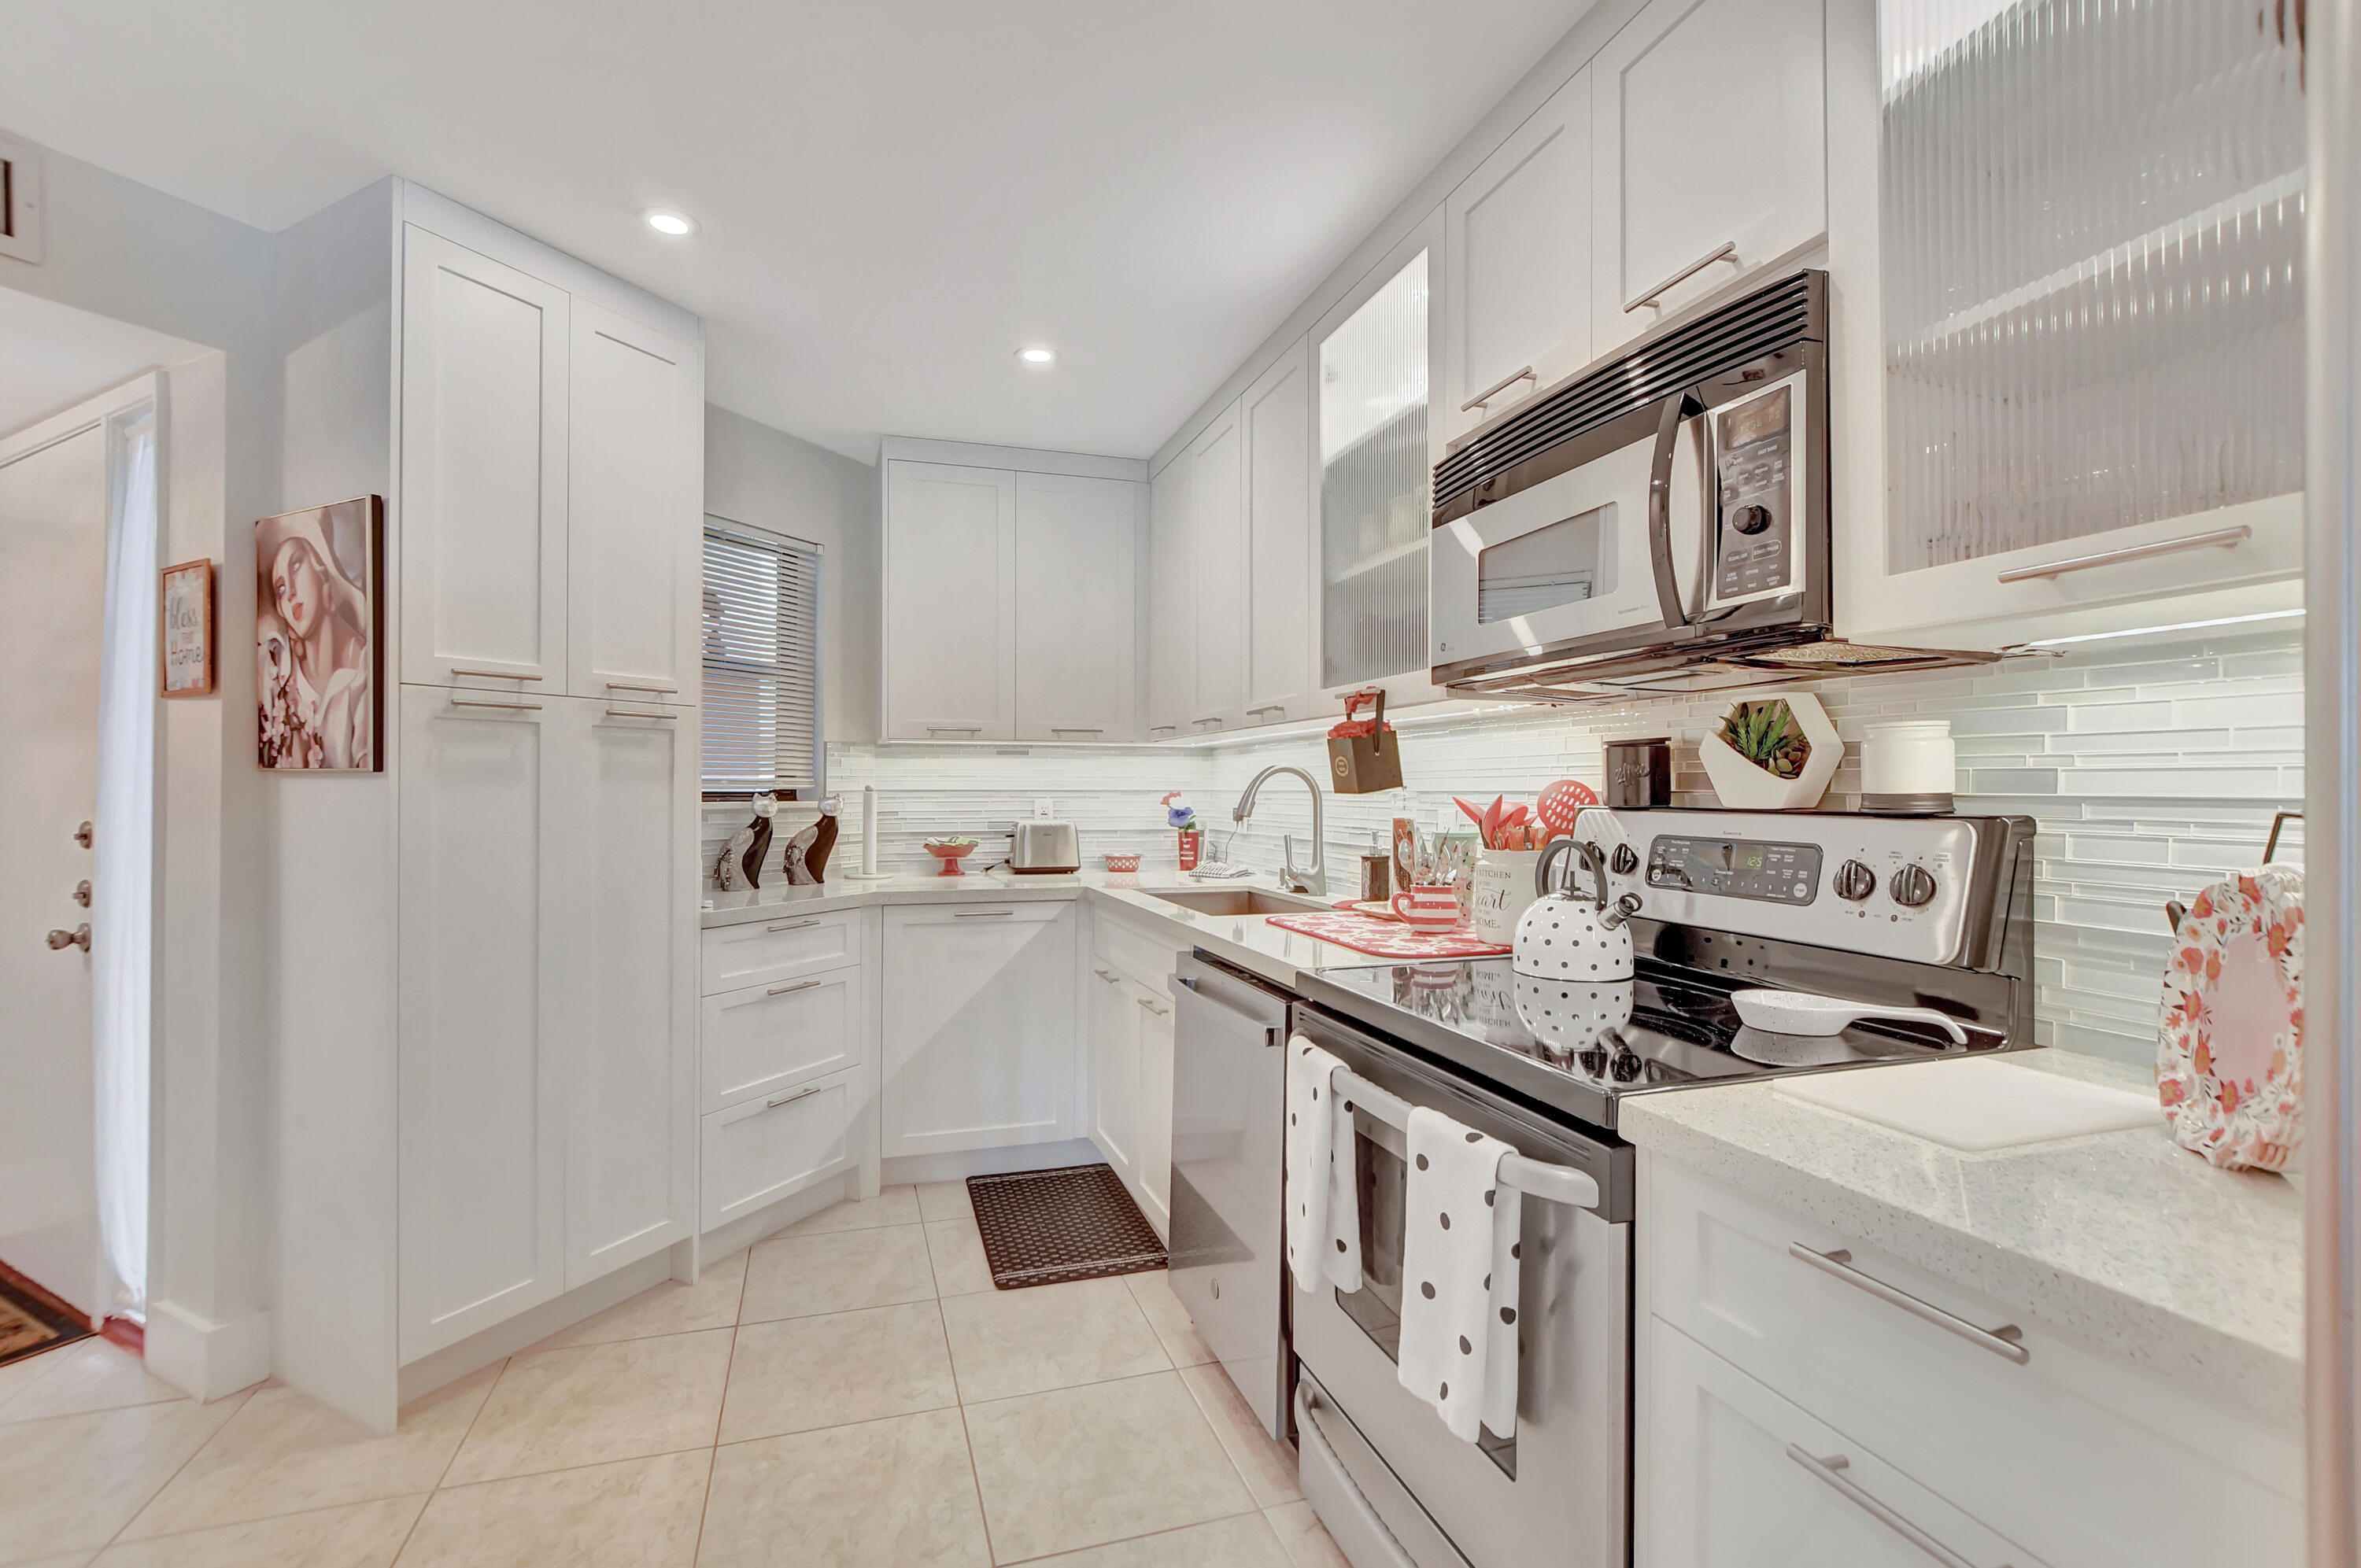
[[951, 855]]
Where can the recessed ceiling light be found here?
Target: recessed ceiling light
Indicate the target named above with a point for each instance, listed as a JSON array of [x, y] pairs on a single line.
[[666, 222], [1037, 355]]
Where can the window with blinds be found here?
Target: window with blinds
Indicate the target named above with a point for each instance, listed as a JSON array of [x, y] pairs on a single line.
[[761, 709]]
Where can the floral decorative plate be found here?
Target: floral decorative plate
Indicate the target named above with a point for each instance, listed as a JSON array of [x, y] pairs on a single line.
[[2229, 1061]]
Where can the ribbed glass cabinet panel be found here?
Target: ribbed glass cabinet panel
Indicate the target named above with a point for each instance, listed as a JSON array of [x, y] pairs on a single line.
[[2093, 235], [1374, 480]]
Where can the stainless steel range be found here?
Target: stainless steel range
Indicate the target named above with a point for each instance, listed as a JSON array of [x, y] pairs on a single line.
[[1932, 915]]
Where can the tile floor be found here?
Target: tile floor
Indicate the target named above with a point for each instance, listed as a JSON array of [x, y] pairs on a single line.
[[851, 1391]]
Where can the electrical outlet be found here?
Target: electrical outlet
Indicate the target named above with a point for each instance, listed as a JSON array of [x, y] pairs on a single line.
[[1044, 808]]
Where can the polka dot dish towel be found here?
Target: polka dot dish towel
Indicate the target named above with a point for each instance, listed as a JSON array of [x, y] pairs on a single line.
[[1460, 1260], [1323, 1215]]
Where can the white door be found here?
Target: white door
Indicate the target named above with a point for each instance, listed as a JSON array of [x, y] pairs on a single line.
[[634, 534], [978, 1026], [1708, 151], [1516, 316], [53, 521], [1114, 1071], [1275, 416], [630, 945], [950, 603], [1077, 618], [1155, 1180], [1171, 601], [483, 1010], [1216, 493], [480, 530]]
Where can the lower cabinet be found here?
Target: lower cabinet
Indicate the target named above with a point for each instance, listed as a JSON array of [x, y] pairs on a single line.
[[977, 1036], [1114, 1015], [1130, 1064], [773, 1146]]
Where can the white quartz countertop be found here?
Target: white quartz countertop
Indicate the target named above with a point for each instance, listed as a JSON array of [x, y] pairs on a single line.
[[1251, 942], [2124, 1239]]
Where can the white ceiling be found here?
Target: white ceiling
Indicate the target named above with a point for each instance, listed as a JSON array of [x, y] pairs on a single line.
[[58, 357], [895, 194]]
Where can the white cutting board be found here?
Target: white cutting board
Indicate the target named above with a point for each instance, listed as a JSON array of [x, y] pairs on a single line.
[[1976, 1105]]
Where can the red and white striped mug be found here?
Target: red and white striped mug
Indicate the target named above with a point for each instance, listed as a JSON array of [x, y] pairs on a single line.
[[1427, 907]]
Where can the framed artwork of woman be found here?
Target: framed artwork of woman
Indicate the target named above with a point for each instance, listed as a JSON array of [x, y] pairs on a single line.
[[318, 637]]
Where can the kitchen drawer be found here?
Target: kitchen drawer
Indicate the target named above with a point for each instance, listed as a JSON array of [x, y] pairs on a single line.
[[1147, 960], [767, 1149], [763, 952], [2080, 1456], [764, 1038]]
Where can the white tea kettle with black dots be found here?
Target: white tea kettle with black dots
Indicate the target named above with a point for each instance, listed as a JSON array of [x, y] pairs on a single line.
[[1566, 937]]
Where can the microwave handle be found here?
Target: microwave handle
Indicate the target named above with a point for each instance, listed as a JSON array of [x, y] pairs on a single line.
[[1680, 406]]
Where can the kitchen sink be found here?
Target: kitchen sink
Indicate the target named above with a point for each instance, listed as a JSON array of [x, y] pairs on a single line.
[[1241, 901]]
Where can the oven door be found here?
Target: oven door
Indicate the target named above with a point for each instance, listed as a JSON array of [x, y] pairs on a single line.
[[1559, 1491]]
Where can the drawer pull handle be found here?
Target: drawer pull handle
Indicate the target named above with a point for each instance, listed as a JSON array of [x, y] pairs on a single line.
[[1277, 707], [792, 924], [983, 914], [1107, 975], [637, 713], [2221, 537], [629, 686], [1828, 1471], [2005, 1341], [1151, 1006], [505, 707], [791, 1099], [495, 674], [1494, 391], [1726, 251], [1077, 730], [799, 985]]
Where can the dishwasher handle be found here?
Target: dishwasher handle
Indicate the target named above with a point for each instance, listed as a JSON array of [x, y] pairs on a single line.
[[1272, 1034]]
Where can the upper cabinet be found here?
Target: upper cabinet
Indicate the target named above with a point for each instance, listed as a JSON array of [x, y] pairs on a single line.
[[1275, 418], [1077, 542], [1171, 601], [950, 603], [1217, 549], [1518, 231], [1709, 154]]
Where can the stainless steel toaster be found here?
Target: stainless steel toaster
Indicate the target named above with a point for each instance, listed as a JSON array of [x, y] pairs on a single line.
[[1041, 848]]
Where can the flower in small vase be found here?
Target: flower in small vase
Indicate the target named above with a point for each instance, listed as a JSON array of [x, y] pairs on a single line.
[[1179, 813]]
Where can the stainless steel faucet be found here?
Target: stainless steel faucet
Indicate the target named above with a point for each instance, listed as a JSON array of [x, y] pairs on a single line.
[[1312, 878]]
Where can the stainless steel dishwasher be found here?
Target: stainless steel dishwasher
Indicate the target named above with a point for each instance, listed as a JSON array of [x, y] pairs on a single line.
[[1228, 1259]]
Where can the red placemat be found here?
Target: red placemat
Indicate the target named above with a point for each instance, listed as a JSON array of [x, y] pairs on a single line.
[[1388, 938]]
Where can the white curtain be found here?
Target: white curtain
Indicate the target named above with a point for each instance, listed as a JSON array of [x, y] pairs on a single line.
[[122, 910]]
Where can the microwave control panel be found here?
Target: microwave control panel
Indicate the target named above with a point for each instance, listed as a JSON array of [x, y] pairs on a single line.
[[1758, 493]]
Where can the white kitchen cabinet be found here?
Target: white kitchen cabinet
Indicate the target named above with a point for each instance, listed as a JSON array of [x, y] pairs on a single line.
[[1155, 1167], [1114, 1097], [763, 1038], [787, 947], [1077, 623], [1128, 981], [950, 602], [1171, 601], [1274, 421], [1217, 550], [1516, 316], [1708, 154], [636, 467], [482, 534], [772, 1148], [978, 1026]]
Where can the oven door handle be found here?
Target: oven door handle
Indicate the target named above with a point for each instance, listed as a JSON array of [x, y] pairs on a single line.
[[1554, 1183], [1680, 406]]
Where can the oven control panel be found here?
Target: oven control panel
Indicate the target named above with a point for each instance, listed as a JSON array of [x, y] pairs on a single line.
[[1758, 493], [1735, 868]]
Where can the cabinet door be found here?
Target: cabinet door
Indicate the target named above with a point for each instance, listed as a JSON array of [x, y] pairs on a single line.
[[1154, 1184], [635, 535], [1171, 601], [1114, 1071], [950, 603], [1217, 501], [1275, 417], [1078, 547], [482, 1044], [481, 530], [630, 948], [1708, 151], [1724, 1481], [978, 1026], [1516, 316]]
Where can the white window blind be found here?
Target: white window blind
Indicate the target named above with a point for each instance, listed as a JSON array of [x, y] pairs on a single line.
[[762, 660]]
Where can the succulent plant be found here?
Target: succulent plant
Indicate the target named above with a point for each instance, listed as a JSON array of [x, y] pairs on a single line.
[[1766, 734]]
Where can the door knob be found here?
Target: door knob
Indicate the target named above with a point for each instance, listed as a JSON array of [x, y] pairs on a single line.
[[77, 938], [81, 893], [82, 834]]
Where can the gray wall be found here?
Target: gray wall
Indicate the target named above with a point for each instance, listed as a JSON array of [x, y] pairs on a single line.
[[771, 479]]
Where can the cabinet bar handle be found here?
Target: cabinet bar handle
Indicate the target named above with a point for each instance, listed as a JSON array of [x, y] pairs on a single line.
[[628, 686], [1726, 251], [790, 1099], [2221, 537], [496, 675], [1280, 707], [503, 707], [1107, 975], [2004, 1342], [1077, 730], [799, 985], [792, 924], [1201, 723], [1164, 729], [1828, 1472], [954, 729], [1507, 382], [982, 914], [637, 713], [1151, 1006]]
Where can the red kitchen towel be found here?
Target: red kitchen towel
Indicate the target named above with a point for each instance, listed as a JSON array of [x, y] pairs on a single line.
[[1388, 938]]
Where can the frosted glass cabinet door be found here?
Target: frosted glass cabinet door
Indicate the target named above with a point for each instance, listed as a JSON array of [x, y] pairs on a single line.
[[1275, 415], [1078, 546], [634, 532], [1710, 130], [1217, 542], [481, 532], [950, 602], [1171, 601]]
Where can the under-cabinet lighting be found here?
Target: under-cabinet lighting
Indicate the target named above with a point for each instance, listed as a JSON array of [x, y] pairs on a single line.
[[664, 221], [2157, 630], [1037, 355]]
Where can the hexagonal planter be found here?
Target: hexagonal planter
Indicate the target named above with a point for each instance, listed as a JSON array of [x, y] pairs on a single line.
[[1740, 785]]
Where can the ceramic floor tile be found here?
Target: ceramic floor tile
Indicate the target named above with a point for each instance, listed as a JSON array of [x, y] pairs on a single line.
[[801, 1373], [1246, 1542], [802, 1277], [284, 1452], [670, 1308], [1268, 1465], [1006, 1343], [358, 1535], [89, 1375], [595, 1403], [960, 1267], [1079, 1467], [1304, 1537], [70, 1483], [638, 1513], [18, 1376], [1182, 1342], [945, 1200], [71, 1559], [892, 1206], [890, 1494]]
